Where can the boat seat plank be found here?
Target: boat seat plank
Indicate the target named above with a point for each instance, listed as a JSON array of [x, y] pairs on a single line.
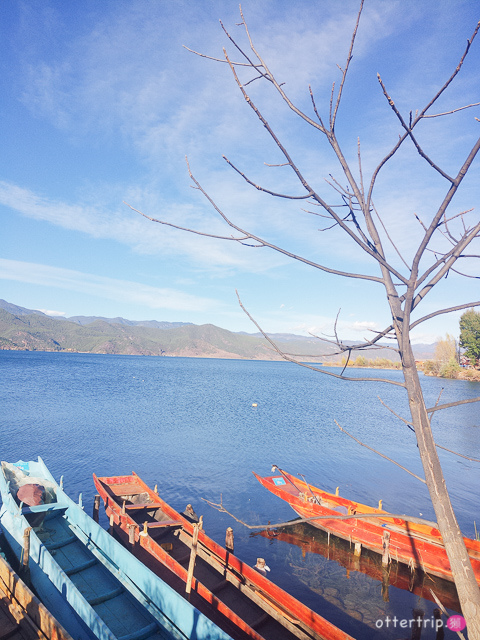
[[105, 596], [261, 620], [81, 567], [125, 489], [143, 633], [41, 508], [143, 505], [60, 543], [164, 523]]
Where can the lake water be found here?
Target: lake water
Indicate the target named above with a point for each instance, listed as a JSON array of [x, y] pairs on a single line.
[[189, 425]]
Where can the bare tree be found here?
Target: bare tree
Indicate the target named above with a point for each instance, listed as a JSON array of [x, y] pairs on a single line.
[[443, 243]]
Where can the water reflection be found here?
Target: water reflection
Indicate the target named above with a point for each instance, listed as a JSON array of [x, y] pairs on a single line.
[[323, 556]]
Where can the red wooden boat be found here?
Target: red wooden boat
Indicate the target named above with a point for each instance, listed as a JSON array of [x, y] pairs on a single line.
[[418, 545], [234, 595]]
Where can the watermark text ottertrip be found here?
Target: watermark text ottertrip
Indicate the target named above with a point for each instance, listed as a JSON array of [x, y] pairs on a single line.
[[454, 623]]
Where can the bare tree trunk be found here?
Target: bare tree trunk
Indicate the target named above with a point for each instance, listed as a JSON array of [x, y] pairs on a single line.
[[467, 587]]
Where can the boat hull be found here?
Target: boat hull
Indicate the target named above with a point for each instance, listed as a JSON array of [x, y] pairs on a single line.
[[417, 545], [22, 615], [95, 588], [221, 580]]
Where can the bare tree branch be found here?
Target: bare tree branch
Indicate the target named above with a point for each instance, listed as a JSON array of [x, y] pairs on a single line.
[[259, 188], [379, 454], [366, 247], [333, 117], [410, 134], [459, 307], [308, 366], [409, 424], [455, 453], [447, 113], [421, 114], [219, 507], [452, 404]]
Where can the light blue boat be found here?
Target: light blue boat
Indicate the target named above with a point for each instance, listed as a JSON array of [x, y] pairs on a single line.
[[93, 586]]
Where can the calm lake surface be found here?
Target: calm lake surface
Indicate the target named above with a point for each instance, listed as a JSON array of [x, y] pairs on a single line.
[[189, 426]]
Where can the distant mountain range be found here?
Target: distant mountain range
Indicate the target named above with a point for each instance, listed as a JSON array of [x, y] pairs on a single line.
[[32, 330]]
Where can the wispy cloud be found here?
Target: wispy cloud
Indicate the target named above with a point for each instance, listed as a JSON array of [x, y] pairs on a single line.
[[110, 288], [109, 221]]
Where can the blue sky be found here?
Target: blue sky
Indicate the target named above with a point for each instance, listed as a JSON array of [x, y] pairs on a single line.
[[101, 104]]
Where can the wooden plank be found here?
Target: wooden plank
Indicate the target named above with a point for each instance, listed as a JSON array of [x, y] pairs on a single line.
[[125, 489], [165, 523], [143, 505]]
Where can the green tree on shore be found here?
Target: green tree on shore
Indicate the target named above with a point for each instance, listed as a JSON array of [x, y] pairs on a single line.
[[470, 334]]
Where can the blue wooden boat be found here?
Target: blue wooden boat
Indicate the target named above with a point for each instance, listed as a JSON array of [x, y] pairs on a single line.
[[93, 586]]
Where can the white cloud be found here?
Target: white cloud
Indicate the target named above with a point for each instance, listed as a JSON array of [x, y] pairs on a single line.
[[49, 312], [362, 327], [123, 225], [117, 290]]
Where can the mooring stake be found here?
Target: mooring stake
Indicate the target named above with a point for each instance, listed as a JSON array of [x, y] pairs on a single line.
[[96, 507], [229, 539], [386, 548], [193, 556]]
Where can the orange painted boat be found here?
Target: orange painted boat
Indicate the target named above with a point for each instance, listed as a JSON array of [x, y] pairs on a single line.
[[335, 549], [234, 595], [418, 545]]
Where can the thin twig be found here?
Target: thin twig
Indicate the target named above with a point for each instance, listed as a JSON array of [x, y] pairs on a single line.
[[452, 404], [221, 508], [455, 453], [445, 612], [308, 366], [380, 454], [409, 424], [447, 113]]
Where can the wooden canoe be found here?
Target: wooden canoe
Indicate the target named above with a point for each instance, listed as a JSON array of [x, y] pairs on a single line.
[[418, 545], [93, 586], [240, 599], [22, 615], [335, 549]]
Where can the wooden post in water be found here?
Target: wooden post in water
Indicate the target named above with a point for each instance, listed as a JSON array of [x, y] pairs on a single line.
[[131, 533], [229, 540], [386, 548], [96, 507], [417, 624], [193, 556], [440, 635]]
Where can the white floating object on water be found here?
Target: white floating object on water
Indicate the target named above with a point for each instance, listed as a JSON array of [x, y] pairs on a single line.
[[254, 404]]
